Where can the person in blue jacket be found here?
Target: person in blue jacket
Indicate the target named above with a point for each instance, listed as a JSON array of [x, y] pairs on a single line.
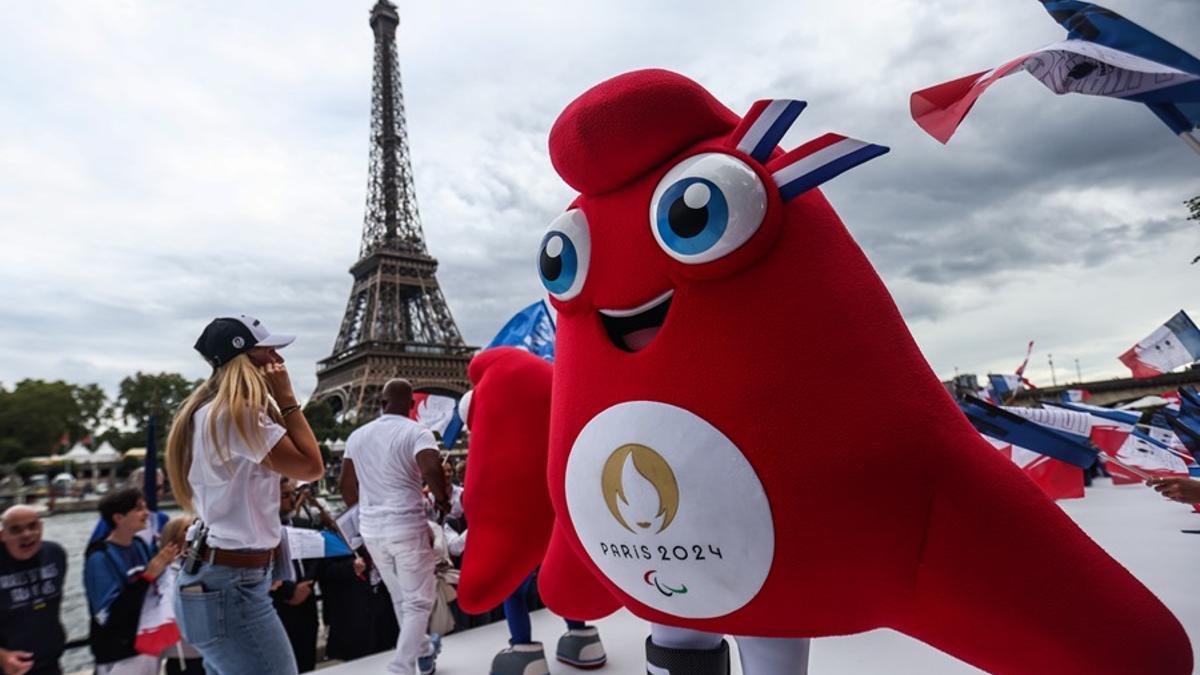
[[118, 572]]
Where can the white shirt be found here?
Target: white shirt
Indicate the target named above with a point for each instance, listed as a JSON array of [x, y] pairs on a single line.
[[384, 453], [237, 497]]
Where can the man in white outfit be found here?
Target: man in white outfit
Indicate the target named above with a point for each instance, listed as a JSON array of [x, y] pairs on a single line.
[[385, 463]]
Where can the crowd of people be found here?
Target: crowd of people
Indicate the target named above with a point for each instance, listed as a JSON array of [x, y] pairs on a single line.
[[241, 458]]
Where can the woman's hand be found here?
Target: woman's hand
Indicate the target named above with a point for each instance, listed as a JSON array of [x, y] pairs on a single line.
[[279, 383], [158, 564], [1185, 490]]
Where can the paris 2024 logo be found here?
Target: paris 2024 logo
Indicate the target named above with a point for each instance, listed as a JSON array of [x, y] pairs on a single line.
[[669, 509]]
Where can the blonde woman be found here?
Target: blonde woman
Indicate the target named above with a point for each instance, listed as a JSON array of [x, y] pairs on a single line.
[[230, 442]]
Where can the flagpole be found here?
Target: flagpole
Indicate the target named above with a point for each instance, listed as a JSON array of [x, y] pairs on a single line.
[[1113, 460], [150, 469], [1191, 140]]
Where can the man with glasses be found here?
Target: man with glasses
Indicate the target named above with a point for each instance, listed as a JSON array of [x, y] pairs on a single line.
[[32, 573]]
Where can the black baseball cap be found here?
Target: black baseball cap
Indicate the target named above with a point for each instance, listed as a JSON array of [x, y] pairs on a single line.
[[227, 337]]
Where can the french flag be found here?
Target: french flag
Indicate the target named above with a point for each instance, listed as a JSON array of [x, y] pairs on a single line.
[[1058, 480], [819, 160], [1104, 54], [1122, 419], [157, 629], [1143, 456], [764, 125], [1006, 426], [1074, 395], [1004, 386], [432, 411], [1173, 344], [806, 167], [304, 544]]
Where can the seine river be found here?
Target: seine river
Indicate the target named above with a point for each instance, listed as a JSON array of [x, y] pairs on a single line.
[[71, 531]]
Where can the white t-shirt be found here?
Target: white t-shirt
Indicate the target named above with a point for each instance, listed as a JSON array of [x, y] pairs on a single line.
[[384, 453], [237, 498]]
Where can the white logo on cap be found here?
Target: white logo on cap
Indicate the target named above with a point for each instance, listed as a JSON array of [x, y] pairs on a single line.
[[238, 342]]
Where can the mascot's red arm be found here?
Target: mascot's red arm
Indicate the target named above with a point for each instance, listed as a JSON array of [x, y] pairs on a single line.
[[569, 588], [505, 500]]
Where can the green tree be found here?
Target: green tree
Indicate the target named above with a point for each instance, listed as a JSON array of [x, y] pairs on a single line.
[[93, 405], [35, 415], [145, 394], [123, 440], [324, 422]]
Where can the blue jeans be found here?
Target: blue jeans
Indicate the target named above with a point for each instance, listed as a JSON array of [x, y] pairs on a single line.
[[516, 613], [232, 622]]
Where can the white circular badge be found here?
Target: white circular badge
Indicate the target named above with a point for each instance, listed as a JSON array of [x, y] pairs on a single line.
[[670, 510]]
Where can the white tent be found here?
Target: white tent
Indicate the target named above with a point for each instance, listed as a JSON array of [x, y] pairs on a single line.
[[106, 453], [78, 454]]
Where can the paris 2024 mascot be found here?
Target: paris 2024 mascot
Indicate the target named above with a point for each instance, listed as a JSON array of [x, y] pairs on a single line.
[[700, 451]]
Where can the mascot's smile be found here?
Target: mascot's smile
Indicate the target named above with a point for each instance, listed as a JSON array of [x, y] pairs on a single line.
[[634, 329]]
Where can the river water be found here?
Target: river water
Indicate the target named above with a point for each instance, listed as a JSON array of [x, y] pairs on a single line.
[[71, 531]]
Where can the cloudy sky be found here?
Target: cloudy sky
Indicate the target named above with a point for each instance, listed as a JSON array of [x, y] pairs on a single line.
[[162, 163]]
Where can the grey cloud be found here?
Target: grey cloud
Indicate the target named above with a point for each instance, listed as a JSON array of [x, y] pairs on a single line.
[[223, 168]]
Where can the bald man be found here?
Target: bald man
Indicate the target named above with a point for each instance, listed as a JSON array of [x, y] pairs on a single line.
[[386, 461], [32, 573]]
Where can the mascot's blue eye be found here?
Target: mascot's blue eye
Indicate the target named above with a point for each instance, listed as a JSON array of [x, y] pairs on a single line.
[[558, 262], [707, 206], [692, 216], [563, 256]]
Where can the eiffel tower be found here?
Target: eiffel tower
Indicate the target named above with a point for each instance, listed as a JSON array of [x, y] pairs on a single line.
[[397, 323]]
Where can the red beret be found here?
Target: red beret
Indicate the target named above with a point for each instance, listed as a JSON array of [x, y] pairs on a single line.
[[626, 126]]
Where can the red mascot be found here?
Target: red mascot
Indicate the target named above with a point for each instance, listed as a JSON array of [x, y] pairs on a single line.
[[703, 457]]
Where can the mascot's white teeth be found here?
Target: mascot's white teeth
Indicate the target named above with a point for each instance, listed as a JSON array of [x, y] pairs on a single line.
[[634, 329]]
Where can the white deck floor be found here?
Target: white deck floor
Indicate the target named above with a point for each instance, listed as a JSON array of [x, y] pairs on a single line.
[[1134, 524]]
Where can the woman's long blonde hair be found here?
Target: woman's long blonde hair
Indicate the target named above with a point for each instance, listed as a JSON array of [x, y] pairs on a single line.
[[235, 386]]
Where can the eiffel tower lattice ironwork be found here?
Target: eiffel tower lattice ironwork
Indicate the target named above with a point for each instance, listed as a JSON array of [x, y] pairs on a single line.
[[397, 323]]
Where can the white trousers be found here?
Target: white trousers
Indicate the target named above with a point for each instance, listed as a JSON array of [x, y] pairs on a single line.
[[406, 566], [759, 655]]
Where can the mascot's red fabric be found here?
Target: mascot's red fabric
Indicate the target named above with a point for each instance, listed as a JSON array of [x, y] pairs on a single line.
[[711, 464], [510, 413]]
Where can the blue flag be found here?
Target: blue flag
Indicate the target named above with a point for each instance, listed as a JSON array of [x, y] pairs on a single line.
[[531, 329], [1189, 403], [1123, 417], [1002, 425], [150, 468], [1177, 106], [1104, 54]]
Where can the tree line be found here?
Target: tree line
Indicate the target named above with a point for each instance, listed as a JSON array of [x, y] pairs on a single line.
[[40, 418]]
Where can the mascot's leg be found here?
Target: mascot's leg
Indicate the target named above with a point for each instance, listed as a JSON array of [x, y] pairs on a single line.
[[773, 656], [1008, 583], [680, 651]]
